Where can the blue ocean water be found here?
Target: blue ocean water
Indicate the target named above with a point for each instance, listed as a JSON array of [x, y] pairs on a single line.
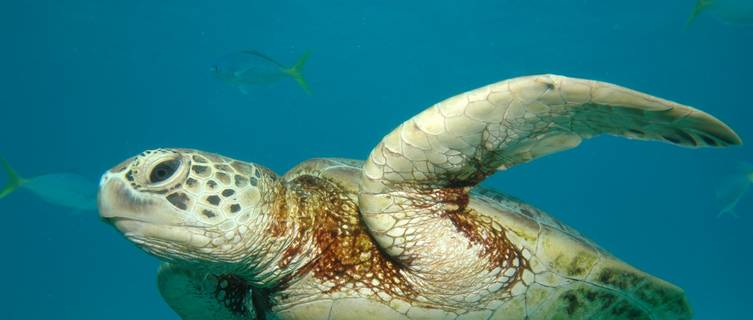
[[87, 84]]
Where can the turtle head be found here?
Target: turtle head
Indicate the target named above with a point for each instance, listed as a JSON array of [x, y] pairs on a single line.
[[187, 205]]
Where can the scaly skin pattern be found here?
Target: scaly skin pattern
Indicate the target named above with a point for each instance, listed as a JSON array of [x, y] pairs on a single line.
[[425, 167], [404, 235], [522, 264]]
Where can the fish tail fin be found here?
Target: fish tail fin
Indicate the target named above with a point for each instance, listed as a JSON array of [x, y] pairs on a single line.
[[700, 6], [14, 181], [296, 71]]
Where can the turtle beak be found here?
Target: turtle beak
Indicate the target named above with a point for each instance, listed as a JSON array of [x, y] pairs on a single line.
[[115, 200], [123, 206], [103, 215]]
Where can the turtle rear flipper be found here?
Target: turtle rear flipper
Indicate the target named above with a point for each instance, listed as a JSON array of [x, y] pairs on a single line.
[[199, 296], [587, 301], [573, 278], [657, 298]]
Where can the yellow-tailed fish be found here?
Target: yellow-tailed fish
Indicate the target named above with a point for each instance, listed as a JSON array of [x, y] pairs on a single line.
[[62, 189], [251, 67]]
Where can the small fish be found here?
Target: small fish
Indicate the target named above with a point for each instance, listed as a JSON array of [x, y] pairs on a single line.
[[737, 12], [733, 188], [250, 67], [62, 189]]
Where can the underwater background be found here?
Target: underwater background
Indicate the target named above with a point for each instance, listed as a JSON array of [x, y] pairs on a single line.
[[87, 84]]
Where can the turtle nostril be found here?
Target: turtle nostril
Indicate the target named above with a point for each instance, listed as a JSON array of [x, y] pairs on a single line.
[[104, 179]]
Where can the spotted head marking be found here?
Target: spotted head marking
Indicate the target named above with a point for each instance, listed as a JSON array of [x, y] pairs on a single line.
[[181, 204]]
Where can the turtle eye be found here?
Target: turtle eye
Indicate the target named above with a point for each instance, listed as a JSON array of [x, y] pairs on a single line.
[[164, 170]]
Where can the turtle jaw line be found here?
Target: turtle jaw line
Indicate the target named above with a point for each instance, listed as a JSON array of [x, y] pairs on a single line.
[[115, 219], [182, 245], [170, 242], [144, 233], [165, 250]]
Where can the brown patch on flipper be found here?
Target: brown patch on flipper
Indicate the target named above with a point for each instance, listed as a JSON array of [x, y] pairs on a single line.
[[346, 254], [495, 248], [493, 242], [290, 253]]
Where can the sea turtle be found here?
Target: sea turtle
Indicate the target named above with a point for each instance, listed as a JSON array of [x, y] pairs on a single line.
[[407, 234]]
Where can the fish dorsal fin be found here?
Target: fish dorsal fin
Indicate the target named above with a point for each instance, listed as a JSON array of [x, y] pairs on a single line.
[[263, 56]]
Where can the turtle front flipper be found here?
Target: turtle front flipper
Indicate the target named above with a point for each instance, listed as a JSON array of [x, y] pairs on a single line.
[[414, 188], [196, 295]]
